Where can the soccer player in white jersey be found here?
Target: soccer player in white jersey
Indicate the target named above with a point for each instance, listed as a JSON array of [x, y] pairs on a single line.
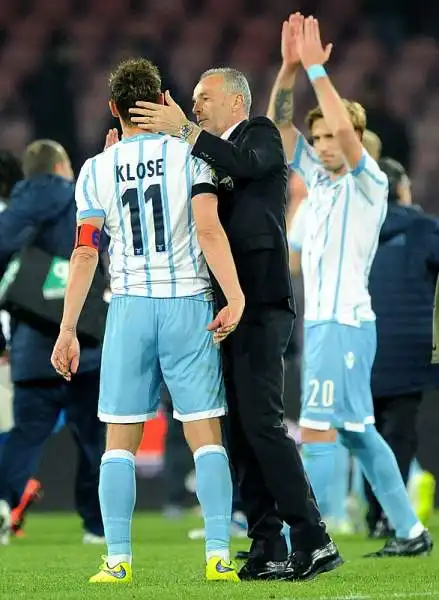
[[159, 206], [336, 230]]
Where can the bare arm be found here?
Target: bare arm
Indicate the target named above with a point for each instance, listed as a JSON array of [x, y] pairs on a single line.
[[313, 56], [295, 262], [338, 120], [281, 104], [215, 246], [83, 263], [281, 107]]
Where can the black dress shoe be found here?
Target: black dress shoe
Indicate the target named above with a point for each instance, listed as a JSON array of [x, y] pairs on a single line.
[[303, 566], [382, 530], [418, 546], [262, 570], [242, 555]]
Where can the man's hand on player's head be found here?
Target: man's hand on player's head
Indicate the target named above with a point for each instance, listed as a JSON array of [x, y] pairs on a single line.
[[112, 138], [309, 45], [159, 118], [227, 320], [290, 56], [65, 355]]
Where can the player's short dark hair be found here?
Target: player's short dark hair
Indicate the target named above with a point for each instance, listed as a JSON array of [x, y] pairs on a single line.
[[10, 173], [134, 79], [42, 156]]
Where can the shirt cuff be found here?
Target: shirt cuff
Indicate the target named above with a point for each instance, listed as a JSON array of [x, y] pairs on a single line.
[[90, 212], [359, 167]]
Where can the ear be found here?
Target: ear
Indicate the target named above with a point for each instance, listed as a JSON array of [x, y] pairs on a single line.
[[238, 102], [113, 109], [161, 99]]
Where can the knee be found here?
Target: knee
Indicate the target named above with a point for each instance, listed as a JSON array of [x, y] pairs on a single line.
[[314, 436], [205, 432], [124, 436]]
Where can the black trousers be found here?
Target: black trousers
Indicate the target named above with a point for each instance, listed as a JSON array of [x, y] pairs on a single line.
[[396, 419], [37, 406], [272, 482]]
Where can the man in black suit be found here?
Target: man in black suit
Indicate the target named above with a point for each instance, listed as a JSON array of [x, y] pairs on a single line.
[[249, 161]]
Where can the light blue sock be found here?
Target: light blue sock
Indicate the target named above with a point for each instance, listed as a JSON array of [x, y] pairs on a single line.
[[286, 534], [381, 469], [214, 492], [319, 463], [340, 484], [415, 469], [117, 496], [358, 481]]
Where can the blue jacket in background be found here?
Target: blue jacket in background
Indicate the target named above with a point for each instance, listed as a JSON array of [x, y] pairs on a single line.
[[43, 206], [402, 286]]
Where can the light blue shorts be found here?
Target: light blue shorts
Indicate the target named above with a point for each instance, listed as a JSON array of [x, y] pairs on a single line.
[[337, 364], [151, 340]]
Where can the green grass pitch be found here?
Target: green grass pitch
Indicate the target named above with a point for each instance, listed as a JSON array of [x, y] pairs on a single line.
[[51, 563]]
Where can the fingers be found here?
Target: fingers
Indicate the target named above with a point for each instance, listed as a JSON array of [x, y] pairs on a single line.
[[146, 105], [60, 367], [213, 325], [222, 332], [111, 138], [315, 28], [328, 51], [74, 364], [169, 99]]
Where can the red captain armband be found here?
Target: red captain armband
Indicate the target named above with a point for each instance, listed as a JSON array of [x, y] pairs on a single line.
[[87, 235]]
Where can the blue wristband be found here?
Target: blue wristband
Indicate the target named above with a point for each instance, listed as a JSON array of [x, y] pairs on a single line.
[[316, 72]]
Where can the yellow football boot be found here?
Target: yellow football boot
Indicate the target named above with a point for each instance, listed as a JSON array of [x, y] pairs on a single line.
[[120, 573], [218, 569]]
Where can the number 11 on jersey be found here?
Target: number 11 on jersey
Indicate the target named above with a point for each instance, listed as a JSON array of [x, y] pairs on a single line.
[[131, 197]]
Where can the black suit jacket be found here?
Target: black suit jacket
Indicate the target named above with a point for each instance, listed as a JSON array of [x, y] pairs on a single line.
[[252, 176]]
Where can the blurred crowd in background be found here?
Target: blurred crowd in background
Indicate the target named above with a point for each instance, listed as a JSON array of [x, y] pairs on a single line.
[[55, 56]]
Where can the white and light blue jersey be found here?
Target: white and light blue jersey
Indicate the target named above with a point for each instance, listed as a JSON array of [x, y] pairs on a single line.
[[336, 229], [143, 186]]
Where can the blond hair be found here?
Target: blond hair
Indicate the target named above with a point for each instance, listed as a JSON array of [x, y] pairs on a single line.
[[356, 112], [372, 143]]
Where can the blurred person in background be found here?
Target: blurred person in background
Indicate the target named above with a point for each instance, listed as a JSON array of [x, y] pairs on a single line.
[[392, 130], [49, 94], [42, 209], [10, 174], [347, 196], [372, 144], [249, 162], [402, 286]]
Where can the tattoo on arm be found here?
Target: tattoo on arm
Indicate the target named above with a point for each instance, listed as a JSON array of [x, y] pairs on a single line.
[[283, 107]]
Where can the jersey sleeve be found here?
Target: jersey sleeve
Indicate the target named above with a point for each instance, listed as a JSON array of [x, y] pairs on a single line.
[[370, 180], [204, 180], [305, 161], [297, 229], [86, 196]]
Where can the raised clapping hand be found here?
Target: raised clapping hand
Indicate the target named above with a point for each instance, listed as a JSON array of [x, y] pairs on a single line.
[[308, 43], [112, 138], [290, 56]]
